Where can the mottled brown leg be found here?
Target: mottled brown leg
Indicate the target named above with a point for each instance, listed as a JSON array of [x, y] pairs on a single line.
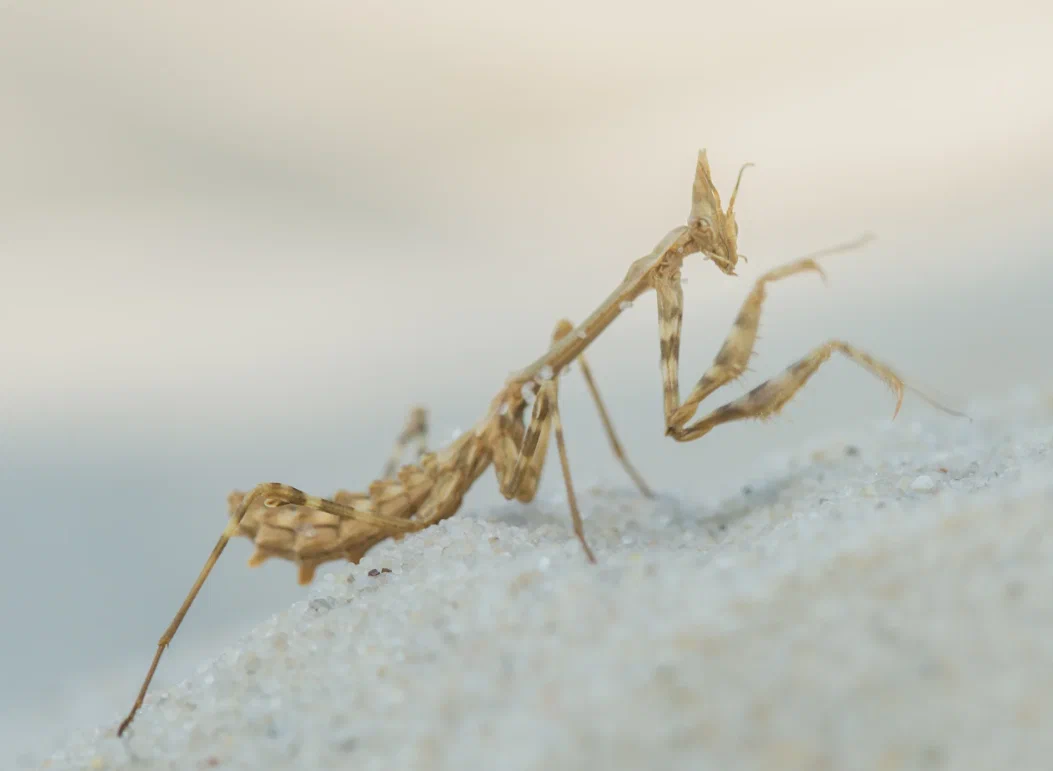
[[415, 430], [519, 464], [563, 328], [731, 361], [770, 396], [520, 481]]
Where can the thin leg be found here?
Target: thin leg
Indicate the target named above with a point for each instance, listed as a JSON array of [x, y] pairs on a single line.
[[272, 495], [520, 480], [563, 328], [415, 430], [230, 530], [572, 500]]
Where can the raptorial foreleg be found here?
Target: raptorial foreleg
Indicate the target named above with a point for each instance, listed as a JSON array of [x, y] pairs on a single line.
[[519, 478], [770, 396], [731, 361]]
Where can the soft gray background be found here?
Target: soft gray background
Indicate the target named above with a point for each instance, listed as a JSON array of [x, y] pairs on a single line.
[[238, 240]]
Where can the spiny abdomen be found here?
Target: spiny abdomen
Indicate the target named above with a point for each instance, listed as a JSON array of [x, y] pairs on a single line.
[[310, 537]]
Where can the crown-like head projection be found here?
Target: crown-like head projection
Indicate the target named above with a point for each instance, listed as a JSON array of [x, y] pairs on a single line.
[[713, 230]]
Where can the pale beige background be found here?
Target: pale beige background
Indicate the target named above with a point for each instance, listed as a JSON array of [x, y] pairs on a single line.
[[238, 239]]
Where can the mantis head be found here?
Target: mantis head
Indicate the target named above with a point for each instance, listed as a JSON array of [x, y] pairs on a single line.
[[713, 230]]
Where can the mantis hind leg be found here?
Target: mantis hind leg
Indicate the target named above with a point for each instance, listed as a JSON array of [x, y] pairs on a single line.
[[414, 432], [564, 328]]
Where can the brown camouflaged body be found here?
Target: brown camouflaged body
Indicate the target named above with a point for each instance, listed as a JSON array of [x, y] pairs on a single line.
[[287, 523], [425, 492]]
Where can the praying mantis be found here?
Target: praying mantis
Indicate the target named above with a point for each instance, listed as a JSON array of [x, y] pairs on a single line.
[[287, 523]]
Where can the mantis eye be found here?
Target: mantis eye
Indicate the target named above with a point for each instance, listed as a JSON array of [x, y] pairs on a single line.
[[703, 222]]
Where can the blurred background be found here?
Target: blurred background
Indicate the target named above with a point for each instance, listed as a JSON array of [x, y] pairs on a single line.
[[239, 240]]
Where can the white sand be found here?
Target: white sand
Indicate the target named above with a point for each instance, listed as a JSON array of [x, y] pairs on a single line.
[[884, 602]]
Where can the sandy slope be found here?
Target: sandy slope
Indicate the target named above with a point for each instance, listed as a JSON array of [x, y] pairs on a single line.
[[881, 601]]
